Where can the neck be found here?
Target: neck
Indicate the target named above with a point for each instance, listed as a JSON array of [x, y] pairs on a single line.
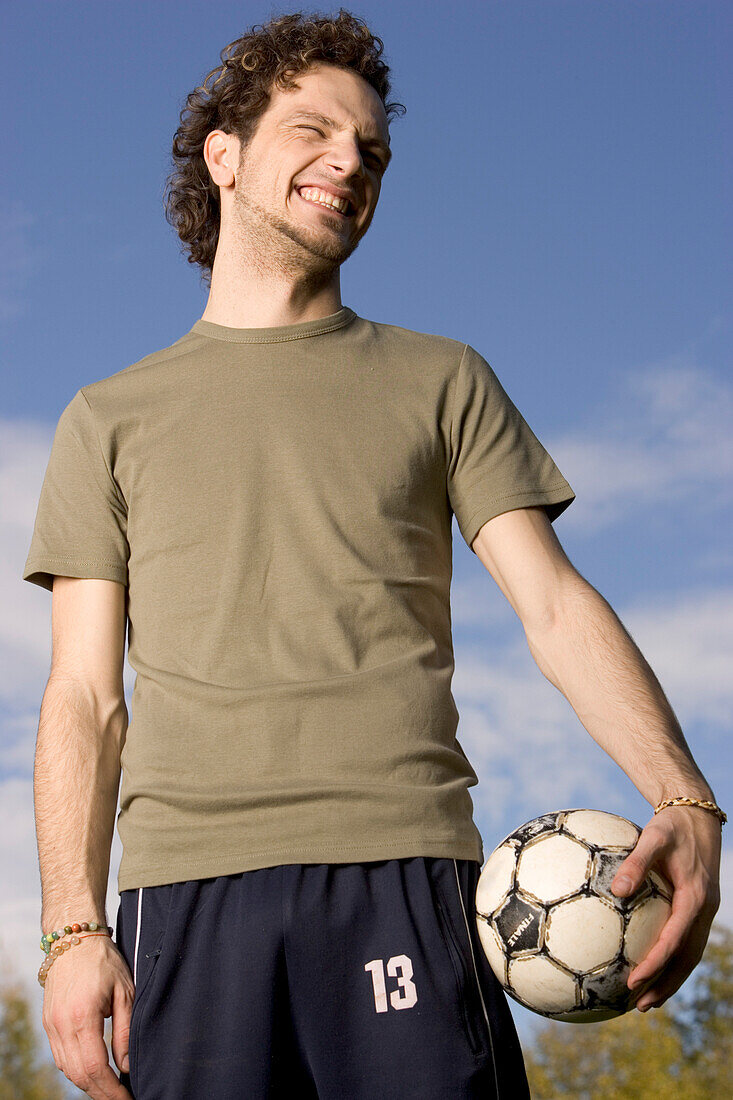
[[258, 296]]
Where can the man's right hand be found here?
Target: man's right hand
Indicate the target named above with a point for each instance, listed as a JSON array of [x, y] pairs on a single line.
[[83, 986]]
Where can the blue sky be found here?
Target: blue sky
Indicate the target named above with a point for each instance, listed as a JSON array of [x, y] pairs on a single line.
[[557, 198]]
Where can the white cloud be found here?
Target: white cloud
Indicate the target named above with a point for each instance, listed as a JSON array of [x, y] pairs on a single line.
[[687, 638], [524, 741], [25, 638], [481, 604], [725, 913], [663, 439]]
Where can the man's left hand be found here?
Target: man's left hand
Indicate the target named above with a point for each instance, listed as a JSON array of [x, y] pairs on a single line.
[[683, 843]]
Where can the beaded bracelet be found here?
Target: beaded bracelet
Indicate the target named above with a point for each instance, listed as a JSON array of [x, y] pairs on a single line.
[[703, 803], [59, 948], [48, 938]]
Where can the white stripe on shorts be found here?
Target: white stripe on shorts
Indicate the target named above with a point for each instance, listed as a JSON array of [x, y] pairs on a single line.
[[478, 982], [137, 932]]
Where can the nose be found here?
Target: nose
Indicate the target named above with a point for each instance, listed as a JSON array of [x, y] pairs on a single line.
[[345, 157]]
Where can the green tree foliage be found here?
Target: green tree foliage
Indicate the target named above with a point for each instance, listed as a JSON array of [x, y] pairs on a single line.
[[704, 1016], [684, 1049], [21, 1076]]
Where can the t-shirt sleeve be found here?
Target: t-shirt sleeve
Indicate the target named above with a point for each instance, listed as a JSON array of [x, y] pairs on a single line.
[[496, 461], [81, 521]]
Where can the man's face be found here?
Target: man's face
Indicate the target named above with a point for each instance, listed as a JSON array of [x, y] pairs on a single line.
[[290, 149]]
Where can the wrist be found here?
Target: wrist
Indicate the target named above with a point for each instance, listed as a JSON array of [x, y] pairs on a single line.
[[706, 806], [89, 910], [57, 948], [686, 788], [73, 928]]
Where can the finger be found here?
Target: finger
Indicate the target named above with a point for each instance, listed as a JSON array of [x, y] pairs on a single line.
[[121, 1015], [674, 932], [634, 869], [91, 1059], [73, 1068], [677, 973], [56, 1045], [55, 1027]]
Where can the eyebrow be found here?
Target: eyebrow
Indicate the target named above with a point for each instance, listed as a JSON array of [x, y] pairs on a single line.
[[330, 122]]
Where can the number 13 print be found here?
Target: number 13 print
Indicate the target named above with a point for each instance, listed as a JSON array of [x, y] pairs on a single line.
[[406, 996]]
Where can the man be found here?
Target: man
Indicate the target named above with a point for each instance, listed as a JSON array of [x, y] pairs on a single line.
[[269, 501]]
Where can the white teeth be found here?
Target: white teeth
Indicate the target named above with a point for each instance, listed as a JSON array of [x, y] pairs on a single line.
[[312, 194]]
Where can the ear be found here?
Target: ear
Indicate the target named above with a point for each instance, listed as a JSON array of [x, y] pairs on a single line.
[[218, 155]]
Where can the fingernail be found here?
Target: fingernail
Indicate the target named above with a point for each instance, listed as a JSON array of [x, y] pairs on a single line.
[[125, 1064], [622, 885]]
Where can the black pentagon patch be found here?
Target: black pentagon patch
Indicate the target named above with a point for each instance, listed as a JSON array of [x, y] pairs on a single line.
[[608, 990], [545, 824], [520, 925], [605, 866], [660, 889]]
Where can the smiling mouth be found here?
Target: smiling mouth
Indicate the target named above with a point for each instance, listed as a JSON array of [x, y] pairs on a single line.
[[350, 211]]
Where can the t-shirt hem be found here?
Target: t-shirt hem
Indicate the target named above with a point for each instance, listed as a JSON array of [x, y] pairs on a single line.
[[442, 846], [41, 571], [560, 495]]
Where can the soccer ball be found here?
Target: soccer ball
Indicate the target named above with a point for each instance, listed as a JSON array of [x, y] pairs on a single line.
[[559, 941]]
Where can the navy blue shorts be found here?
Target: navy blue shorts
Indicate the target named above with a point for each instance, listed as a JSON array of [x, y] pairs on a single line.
[[337, 981]]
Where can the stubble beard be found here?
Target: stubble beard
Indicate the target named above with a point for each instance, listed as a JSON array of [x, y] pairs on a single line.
[[269, 240]]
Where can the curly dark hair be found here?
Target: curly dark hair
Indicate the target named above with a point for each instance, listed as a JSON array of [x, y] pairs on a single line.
[[266, 56]]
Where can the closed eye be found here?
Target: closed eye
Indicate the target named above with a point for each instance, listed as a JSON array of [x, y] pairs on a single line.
[[375, 158]]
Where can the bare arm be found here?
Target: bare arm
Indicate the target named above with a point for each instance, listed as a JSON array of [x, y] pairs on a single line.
[[590, 657], [581, 646], [81, 732]]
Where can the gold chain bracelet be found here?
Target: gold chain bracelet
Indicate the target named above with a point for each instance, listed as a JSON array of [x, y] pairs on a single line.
[[703, 803]]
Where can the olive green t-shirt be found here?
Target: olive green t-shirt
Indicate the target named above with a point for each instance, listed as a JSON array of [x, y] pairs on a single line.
[[279, 503]]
